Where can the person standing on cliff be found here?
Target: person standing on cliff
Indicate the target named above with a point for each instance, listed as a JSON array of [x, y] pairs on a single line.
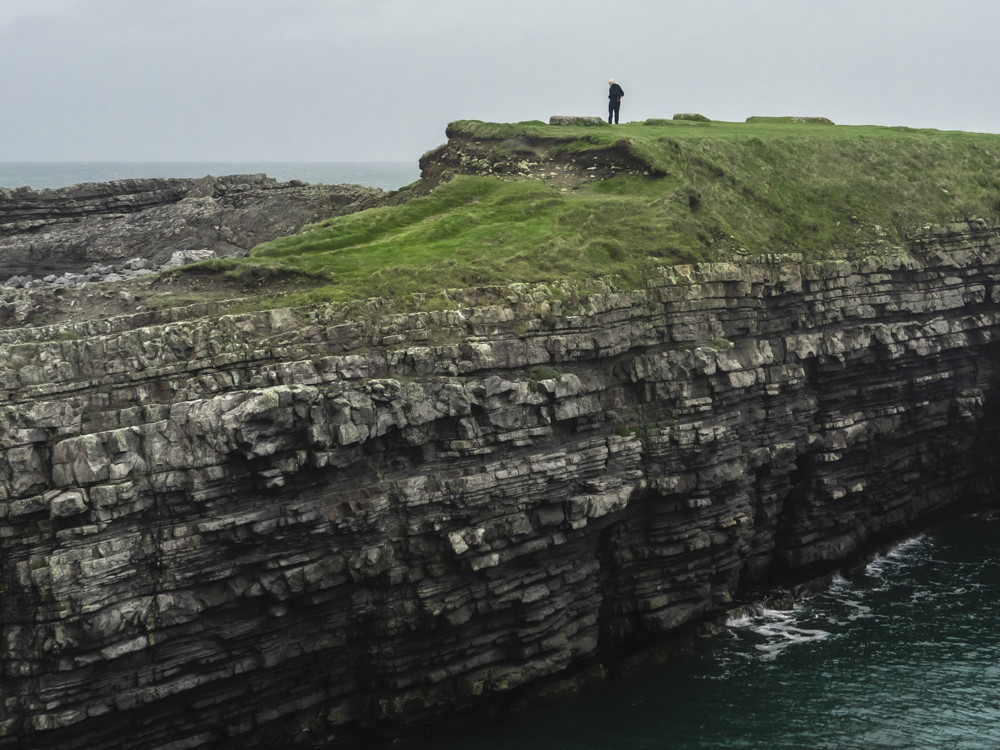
[[615, 95]]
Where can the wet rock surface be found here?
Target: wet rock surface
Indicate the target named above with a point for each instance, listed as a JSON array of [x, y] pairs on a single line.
[[244, 530]]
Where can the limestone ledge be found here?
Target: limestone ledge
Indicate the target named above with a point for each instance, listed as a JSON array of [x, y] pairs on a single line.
[[231, 531]]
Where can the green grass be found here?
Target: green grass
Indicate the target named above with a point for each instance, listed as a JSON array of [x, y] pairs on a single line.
[[711, 189]]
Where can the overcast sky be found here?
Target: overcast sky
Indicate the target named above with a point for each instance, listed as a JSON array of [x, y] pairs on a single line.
[[367, 80]]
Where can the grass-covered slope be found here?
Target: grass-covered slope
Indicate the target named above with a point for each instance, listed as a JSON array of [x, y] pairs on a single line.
[[708, 190]]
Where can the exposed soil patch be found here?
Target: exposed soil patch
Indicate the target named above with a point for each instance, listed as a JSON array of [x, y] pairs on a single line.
[[530, 159]]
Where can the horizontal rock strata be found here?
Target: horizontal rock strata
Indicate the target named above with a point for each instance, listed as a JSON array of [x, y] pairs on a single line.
[[45, 232], [236, 531]]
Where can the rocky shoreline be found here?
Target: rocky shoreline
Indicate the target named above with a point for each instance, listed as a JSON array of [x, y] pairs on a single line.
[[134, 268], [108, 229]]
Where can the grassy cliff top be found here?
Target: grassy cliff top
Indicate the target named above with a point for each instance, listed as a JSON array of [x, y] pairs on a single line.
[[684, 191]]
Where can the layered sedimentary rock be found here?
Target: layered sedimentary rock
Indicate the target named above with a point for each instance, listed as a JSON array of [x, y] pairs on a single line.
[[68, 229], [301, 525]]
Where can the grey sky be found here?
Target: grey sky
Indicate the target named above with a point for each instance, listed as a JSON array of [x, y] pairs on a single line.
[[360, 80]]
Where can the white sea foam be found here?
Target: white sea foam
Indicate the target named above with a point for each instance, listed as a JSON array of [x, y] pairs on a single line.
[[778, 629], [742, 620], [856, 610], [900, 556], [768, 632]]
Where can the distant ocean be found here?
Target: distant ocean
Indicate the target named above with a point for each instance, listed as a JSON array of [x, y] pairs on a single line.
[[388, 175]]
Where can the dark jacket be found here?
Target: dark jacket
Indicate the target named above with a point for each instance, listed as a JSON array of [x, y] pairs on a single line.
[[615, 93]]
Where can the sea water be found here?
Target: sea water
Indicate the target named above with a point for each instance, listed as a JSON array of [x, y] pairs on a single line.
[[41, 175], [905, 654]]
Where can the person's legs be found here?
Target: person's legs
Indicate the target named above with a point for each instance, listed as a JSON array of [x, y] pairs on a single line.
[[615, 108], [611, 111]]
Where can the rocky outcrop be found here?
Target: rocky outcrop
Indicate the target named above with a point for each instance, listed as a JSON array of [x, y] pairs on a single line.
[[50, 232], [301, 525], [575, 120], [526, 157]]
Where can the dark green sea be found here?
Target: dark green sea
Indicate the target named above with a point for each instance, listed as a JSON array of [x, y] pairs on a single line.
[[903, 655]]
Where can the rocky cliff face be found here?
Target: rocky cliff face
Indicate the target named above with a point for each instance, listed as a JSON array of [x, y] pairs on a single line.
[[46, 232], [295, 526]]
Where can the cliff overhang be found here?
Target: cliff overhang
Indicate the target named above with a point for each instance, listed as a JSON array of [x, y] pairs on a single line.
[[526, 156]]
